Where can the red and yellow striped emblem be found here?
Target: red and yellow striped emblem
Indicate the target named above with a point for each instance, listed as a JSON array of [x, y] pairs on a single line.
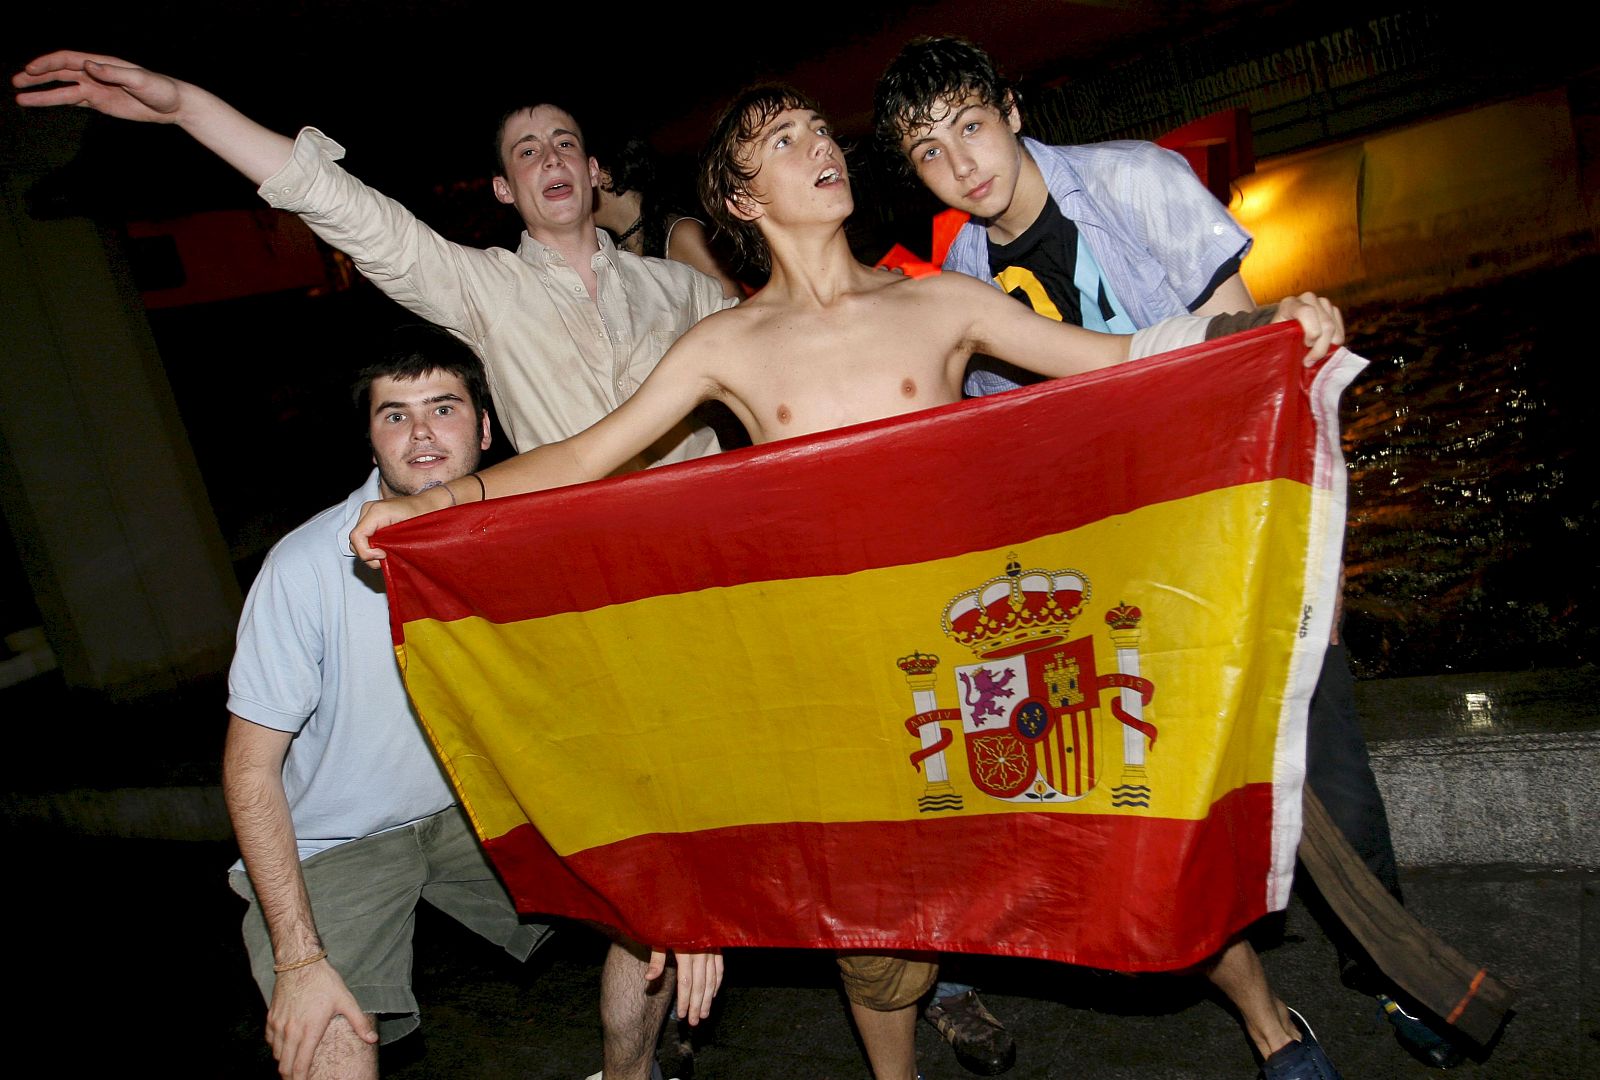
[[828, 692]]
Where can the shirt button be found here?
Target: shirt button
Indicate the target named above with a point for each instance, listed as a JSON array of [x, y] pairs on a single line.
[[1216, 230]]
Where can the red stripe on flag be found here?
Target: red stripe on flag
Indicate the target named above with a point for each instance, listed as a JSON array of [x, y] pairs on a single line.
[[965, 884], [889, 493]]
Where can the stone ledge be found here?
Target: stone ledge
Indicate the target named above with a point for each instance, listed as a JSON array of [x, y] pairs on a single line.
[[143, 813], [1524, 799], [1471, 800]]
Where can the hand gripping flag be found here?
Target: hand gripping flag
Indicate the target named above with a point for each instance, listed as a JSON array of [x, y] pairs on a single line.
[[1026, 675]]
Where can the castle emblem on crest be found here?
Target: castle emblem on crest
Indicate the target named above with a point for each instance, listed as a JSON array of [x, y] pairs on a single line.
[[1032, 708]]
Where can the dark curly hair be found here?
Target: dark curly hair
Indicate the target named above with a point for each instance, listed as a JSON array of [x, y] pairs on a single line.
[[633, 165], [724, 173], [927, 73]]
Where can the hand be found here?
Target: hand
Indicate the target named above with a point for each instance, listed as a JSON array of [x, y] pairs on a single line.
[[103, 83], [699, 979], [375, 515], [304, 1003], [1323, 324]]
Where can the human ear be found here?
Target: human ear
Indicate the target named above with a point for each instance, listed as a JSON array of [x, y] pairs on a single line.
[[502, 190], [595, 173], [1013, 114], [744, 206]]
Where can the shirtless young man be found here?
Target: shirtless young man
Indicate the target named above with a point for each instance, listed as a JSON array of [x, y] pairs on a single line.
[[828, 342]]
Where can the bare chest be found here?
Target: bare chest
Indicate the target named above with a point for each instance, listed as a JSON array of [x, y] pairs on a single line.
[[812, 374]]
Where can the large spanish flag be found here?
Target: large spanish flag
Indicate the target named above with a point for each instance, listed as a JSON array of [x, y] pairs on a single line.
[[1026, 675]]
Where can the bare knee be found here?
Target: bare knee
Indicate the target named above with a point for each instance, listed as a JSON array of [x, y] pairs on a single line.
[[631, 1011], [344, 1055]]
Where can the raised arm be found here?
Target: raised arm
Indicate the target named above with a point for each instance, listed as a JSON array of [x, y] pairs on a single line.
[[118, 88], [678, 384]]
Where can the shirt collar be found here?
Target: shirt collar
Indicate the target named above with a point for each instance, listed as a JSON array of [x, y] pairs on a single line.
[[541, 255], [368, 492], [1062, 181]]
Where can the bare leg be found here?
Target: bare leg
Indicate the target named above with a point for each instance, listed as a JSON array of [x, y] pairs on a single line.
[[631, 1013], [344, 1055], [1238, 973], [891, 1040]]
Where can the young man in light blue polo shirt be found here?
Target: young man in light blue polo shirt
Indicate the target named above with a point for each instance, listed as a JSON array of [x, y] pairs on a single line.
[[340, 808]]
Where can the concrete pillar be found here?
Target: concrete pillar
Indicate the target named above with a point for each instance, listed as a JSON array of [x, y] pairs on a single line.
[[97, 480]]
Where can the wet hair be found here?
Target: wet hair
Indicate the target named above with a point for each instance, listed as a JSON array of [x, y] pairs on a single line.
[[416, 350], [724, 173], [517, 110], [630, 162], [928, 73]]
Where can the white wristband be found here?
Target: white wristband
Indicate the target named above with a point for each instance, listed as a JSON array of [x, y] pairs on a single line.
[[1168, 334]]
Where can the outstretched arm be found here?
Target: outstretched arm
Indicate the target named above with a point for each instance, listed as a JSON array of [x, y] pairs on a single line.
[[306, 997], [1010, 331], [1002, 328], [670, 393], [118, 88]]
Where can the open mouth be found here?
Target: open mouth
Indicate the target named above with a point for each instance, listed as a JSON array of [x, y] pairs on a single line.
[[829, 176], [425, 460], [558, 190]]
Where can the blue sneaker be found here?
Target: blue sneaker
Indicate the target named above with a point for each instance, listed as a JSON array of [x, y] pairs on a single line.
[[1419, 1040], [1303, 1060]]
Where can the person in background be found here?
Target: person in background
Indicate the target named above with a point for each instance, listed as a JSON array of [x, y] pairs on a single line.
[[642, 219]]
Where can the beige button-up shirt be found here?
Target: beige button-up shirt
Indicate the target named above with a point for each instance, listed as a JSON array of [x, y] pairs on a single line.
[[556, 360]]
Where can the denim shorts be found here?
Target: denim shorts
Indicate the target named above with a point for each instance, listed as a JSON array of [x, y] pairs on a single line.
[[364, 897]]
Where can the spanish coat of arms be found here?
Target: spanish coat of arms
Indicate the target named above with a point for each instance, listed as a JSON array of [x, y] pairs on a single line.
[[1030, 707]]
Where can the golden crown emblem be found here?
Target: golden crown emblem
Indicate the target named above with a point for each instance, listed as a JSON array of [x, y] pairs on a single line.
[[1123, 617], [918, 663], [1016, 611]]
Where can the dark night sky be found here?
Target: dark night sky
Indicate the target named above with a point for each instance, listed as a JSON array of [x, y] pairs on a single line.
[[412, 86]]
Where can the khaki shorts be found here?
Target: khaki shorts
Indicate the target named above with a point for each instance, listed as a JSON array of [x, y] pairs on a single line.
[[364, 898], [887, 981]]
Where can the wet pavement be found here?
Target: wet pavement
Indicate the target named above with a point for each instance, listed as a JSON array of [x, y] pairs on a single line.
[[126, 951], [153, 922]]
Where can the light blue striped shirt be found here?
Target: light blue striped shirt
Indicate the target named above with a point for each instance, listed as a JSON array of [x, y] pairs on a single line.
[[1160, 237]]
